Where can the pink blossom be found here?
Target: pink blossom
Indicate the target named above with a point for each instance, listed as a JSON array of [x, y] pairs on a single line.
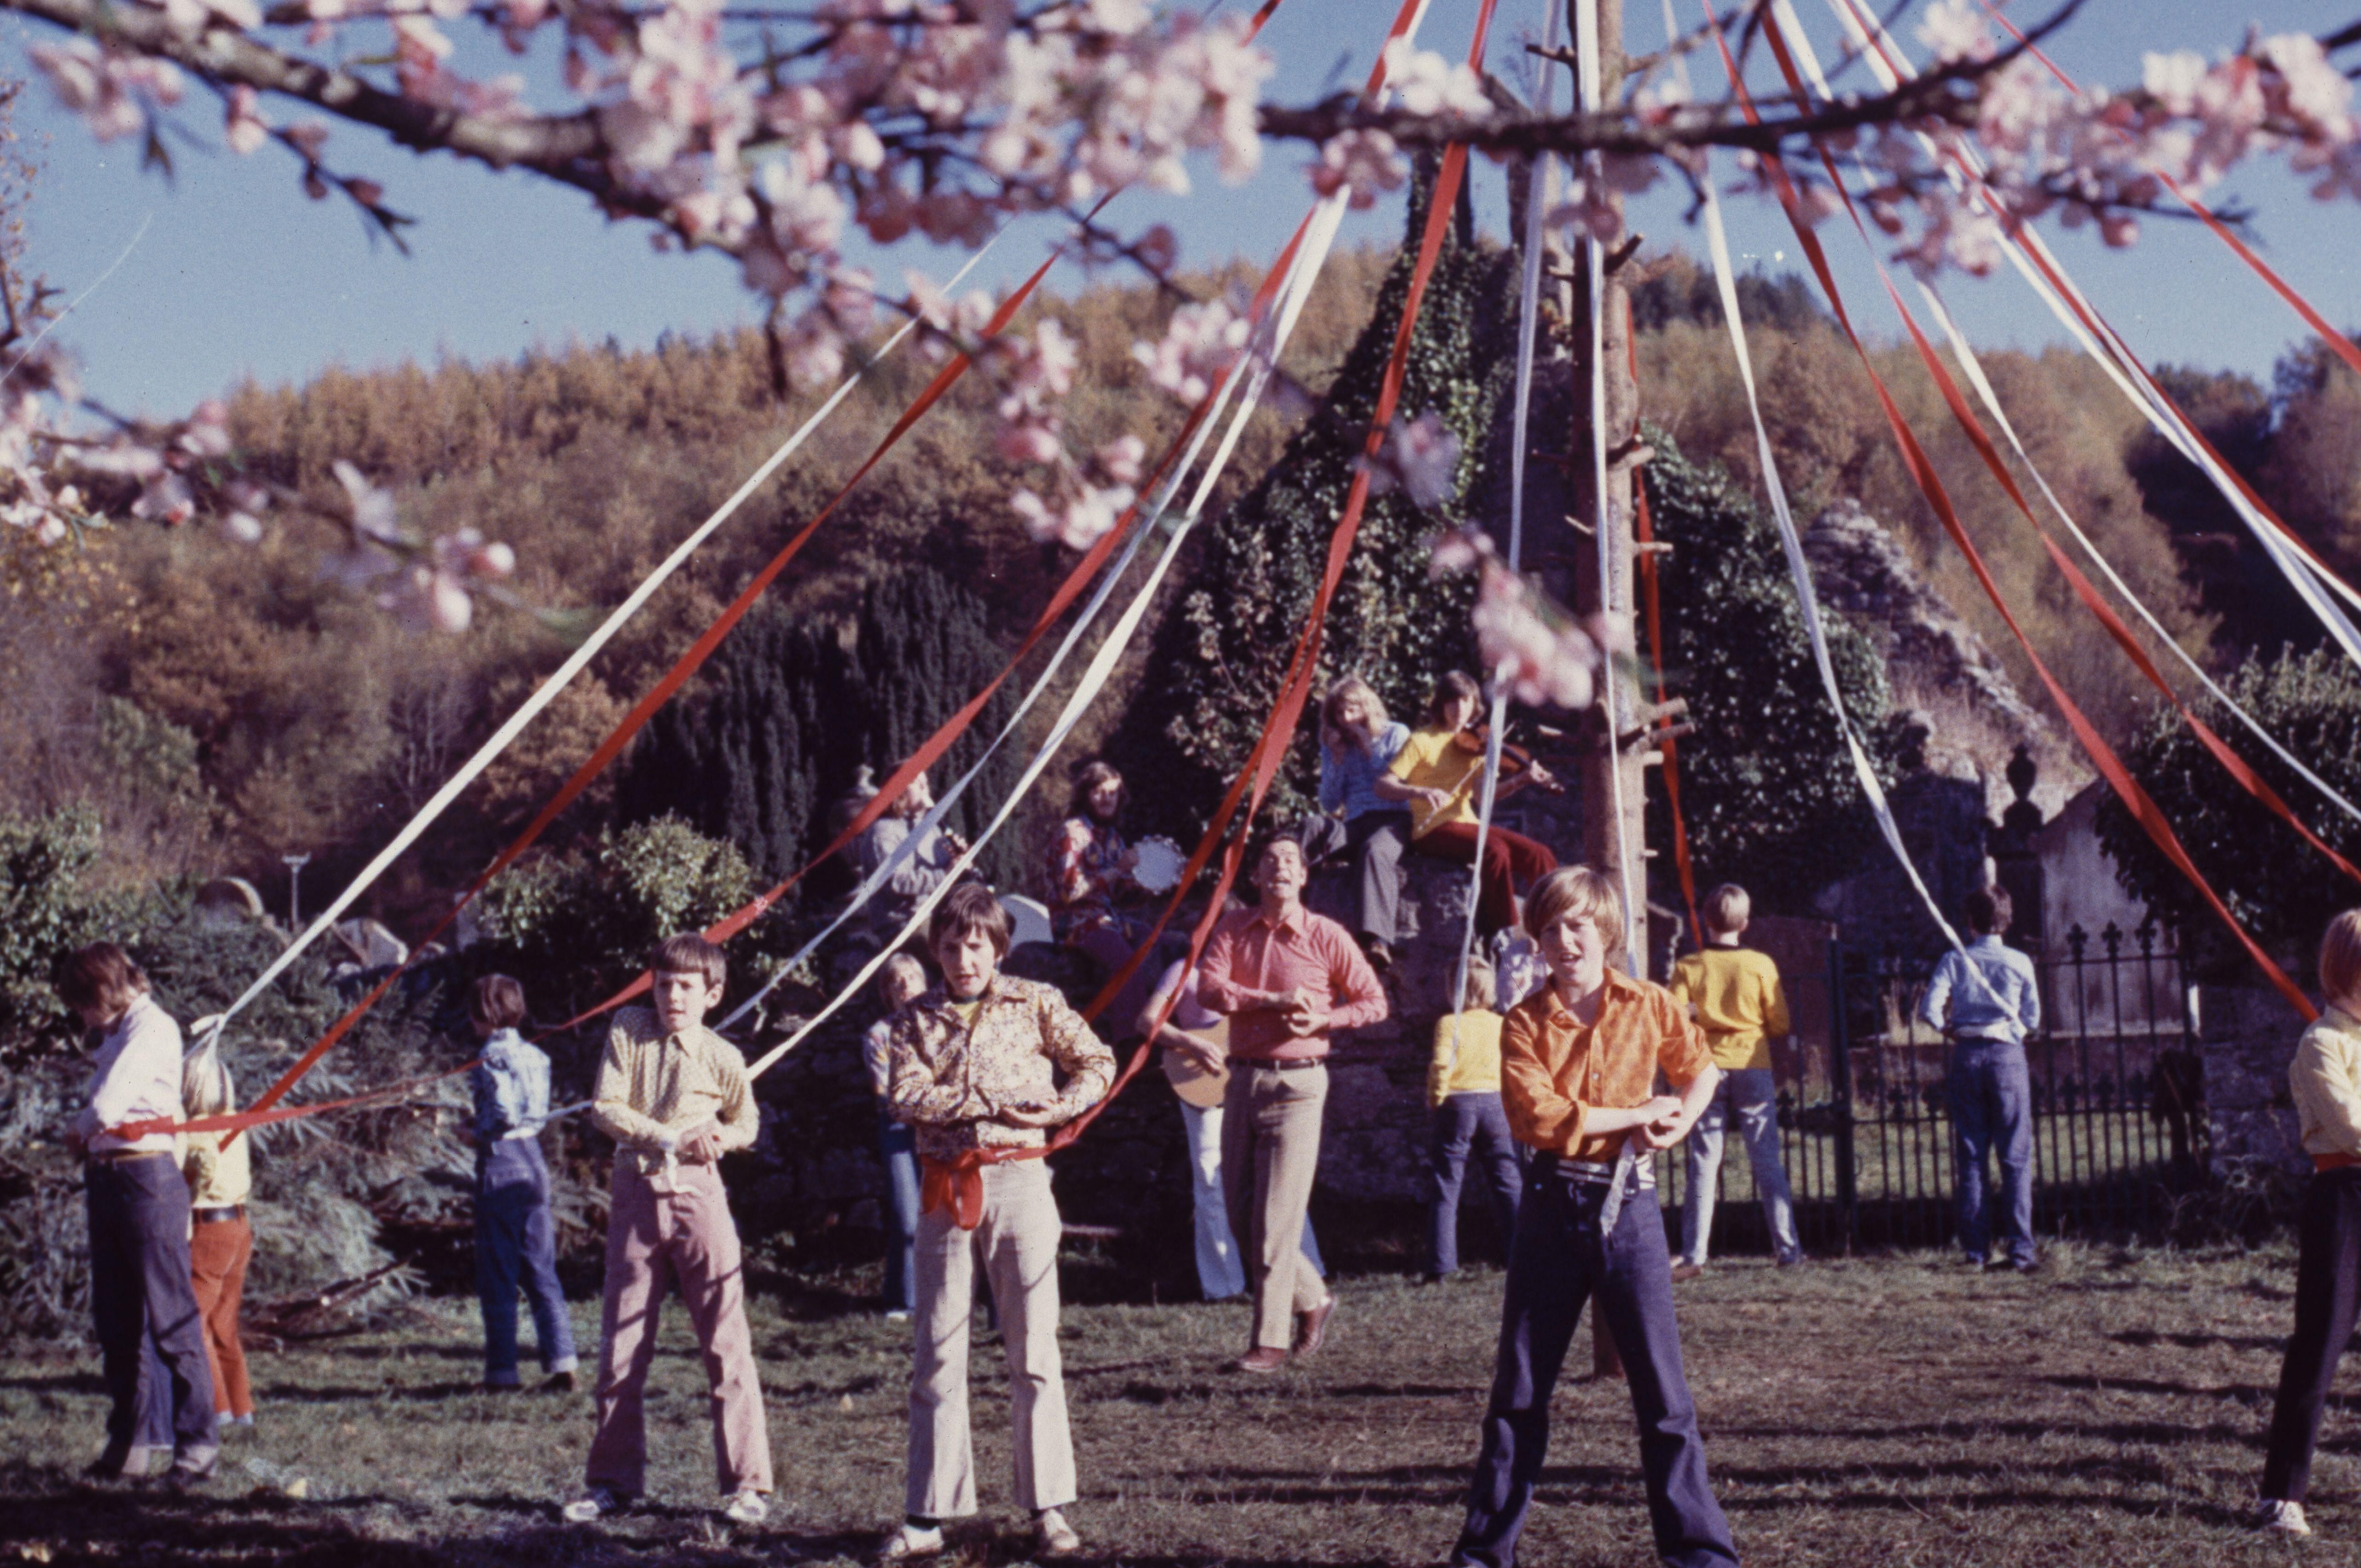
[[242, 528], [372, 510], [1078, 518], [2313, 91], [167, 499], [1459, 550], [1364, 162], [206, 434], [1424, 82], [112, 91], [1419, 457], [432, 600], [2172, 79], [1200, 343], [1156, 249], [1955, 30], [1119, 460], [1025, 439], [1530, 646]]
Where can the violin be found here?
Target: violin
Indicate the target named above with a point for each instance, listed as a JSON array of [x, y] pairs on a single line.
[[1516, 761]]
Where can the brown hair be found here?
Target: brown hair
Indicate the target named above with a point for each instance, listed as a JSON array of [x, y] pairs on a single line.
[[689, 953], [1577, 891], [100, 977], [1989, 911], [2340, 957], [1087, 779], [1332, 729], [1727, 909], [1482, 988], [496, 1002], [1449, 686], [968, 908]]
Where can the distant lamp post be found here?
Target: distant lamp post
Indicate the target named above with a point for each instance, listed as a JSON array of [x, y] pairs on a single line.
[[295, 864]]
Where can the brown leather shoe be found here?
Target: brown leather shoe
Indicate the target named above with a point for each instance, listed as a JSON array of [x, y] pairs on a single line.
[[1312, 1327], [1681, 1271], [1262, 1359]]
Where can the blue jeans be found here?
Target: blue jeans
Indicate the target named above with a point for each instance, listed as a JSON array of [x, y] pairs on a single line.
[[143, 1303], [1992, 1112], [1751, 1095], [516, 1246], [897, 1149], [1559, 1261], [1465, 1124]]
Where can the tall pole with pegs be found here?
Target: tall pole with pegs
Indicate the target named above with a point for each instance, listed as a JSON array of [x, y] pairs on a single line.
[[1614, 768]]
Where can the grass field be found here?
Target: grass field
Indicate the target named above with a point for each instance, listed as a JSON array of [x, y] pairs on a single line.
[[1900, 1410]]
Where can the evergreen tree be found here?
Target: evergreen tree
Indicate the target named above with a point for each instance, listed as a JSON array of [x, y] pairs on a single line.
[[1218, 660], [787, 715], [1769, 796]]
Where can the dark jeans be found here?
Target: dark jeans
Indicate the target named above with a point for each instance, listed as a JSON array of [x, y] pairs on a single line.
[[141, 1290], [897, 1148], [2327, 1297], [1992, 1112], [1466, 1124], [516, 1244], [1559, 1261], [1373, 840]]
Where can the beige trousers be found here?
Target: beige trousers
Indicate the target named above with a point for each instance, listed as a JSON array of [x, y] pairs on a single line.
[[1016, 1242], [1270, 1152], [684, 1238]]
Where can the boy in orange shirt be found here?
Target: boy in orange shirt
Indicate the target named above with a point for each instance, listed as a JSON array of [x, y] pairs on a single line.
[[1578, 1064]]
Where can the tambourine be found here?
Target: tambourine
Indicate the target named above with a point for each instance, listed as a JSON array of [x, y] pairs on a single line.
[[1159, 864]]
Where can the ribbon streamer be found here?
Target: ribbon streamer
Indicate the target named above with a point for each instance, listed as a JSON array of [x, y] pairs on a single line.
[[1922, 472]]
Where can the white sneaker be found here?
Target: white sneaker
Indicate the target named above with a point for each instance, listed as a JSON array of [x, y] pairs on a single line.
[[1053, 1537], [746, 1506], [592, 1505], [911, 1544], [2279, 1514]]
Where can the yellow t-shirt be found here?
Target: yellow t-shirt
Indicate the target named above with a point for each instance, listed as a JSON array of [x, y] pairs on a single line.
[[1434, 759], [1738, 1002], [2326, 1080], [1466, 1055]]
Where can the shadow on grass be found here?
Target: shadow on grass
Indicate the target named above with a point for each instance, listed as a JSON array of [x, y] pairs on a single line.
[[57, 1383], [2146, 1339]]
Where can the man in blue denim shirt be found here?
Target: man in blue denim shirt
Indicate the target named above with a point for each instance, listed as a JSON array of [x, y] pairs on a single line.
[[1986, 1000], [516, 1240]]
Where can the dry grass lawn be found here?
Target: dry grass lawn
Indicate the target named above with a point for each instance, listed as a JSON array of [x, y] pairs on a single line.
[[1898, 1411]]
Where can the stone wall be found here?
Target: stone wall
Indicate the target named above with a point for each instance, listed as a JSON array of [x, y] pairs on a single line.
[[2247, 1035], [814, 1185]]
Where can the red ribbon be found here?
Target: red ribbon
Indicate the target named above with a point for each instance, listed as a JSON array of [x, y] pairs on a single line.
[[1652, 600], [2111, 768], [956, 1184]]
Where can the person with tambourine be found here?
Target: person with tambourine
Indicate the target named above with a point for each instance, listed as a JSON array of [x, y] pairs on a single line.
[[1438, 773], [1095, 891]]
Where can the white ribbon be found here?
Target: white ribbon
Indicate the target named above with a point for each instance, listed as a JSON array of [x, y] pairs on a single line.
[[547, 691], [1257, 363], [1791, 542]]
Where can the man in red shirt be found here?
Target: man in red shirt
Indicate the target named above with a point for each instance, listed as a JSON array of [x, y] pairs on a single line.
[[1287, 978]]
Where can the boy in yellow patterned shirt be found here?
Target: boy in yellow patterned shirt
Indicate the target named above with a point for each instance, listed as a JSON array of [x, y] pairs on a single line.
[[1733, 994]]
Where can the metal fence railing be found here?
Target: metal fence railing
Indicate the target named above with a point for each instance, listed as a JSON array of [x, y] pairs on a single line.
[[1865, 1105]]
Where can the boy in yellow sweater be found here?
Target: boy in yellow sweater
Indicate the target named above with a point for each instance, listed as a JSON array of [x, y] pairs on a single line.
[[1462, 1089], [1733, 994]]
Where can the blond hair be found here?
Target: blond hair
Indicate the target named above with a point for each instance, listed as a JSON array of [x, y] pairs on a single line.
[[1576, 891], [903, 970], [1727, 909], [1333, 733], [1482, 987], [2340, 957]]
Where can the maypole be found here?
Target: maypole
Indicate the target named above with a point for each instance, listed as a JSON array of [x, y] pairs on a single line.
[[1603, 460]]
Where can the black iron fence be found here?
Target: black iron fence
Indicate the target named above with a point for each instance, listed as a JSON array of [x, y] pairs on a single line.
[[1866, 1120]]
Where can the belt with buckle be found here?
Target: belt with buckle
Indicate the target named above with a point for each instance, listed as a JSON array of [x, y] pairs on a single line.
[[1288, 1064], [219, 1215]]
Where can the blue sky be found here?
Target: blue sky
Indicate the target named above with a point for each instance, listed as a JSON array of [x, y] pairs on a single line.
[[235, 273]]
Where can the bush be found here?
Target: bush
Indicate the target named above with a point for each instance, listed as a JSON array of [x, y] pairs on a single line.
[[45, 906], [575, 926], [2279, 886]]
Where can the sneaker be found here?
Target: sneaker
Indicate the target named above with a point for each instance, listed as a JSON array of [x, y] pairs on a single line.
[[2279, 1514], [129, 1465], [595, 1504], [746, 1506], [566, 1382], [911, 1544], [2027, 1264], [897, 1315], [1053, 1537], [1262, 1359], [192, 1467], [1687, 1271]]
